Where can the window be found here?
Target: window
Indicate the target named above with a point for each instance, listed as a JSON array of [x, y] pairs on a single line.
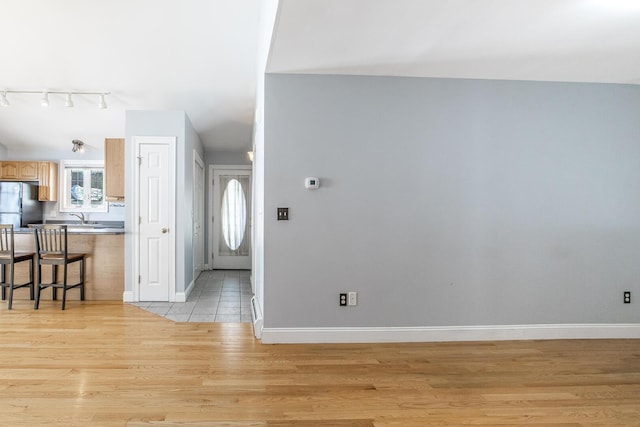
[[234, 208], [233, 212], [82, 186]]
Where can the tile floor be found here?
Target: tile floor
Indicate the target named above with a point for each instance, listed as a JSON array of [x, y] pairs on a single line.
[[217, 296]]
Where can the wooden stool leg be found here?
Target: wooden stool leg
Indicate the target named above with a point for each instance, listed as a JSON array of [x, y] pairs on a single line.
[[54, 279], [82, 279], [31, 281], [64, 286], [3, 275], [10, 287], [37, 303]]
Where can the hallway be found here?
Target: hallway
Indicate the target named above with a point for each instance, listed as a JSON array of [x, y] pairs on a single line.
[[218, 296]]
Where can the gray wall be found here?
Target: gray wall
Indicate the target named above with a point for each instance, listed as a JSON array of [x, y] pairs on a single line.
[[217, 157], [450, 202], [164, 123], [184, 200], [90, 153]]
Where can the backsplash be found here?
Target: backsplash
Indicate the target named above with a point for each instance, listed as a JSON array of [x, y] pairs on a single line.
[[116, 213]]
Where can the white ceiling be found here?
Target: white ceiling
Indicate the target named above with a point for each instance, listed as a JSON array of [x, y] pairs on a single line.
[[557, 40], [194, 55], [200, 55]]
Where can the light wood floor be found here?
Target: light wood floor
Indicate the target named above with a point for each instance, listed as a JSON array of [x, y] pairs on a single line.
[[113, 364]]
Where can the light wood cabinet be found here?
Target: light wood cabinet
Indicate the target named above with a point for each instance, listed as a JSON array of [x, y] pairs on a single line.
[[28, 171], [19, 171], [9, 170], [114, 169], [48, 180], [46, 173]]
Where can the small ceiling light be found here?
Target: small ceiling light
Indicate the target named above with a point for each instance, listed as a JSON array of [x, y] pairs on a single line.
[[102, 104], [45, 99], [68, 102], [77, 146], [3, 99], [250, 155]]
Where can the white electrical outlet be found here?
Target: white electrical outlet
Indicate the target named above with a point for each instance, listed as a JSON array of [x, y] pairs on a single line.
[[353, 298]]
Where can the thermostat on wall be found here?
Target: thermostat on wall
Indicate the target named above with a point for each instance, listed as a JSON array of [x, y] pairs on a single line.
[[311, 183]]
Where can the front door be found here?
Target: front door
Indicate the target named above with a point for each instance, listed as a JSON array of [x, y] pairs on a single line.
[[231, 244], [156, 218]]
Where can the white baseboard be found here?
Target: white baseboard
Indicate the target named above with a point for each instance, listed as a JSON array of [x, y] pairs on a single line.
[[449, 333], [256, 317], [127, 296], [182, 296]]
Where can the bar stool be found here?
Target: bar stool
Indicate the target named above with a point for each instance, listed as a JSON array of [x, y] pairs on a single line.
[[8, 257], [51, 249]]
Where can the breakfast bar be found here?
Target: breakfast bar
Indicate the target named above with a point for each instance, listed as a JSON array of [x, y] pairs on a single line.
[[104, 262]]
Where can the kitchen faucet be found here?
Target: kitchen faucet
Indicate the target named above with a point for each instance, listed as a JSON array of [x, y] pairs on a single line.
[[79, 216]]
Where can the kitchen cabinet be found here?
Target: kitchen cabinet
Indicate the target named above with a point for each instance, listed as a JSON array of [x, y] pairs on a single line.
[[48, 181], [114, 169], [18, 171], [46, 173]]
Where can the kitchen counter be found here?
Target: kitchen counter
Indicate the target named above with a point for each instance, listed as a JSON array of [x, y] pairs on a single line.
[[77, 230], [104, 227]]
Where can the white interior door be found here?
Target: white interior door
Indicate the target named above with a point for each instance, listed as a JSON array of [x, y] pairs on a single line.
[[231, 237], [198, 215], [156, 213]]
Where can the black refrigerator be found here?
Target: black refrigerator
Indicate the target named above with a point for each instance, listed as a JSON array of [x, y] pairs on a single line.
[[19, 204]]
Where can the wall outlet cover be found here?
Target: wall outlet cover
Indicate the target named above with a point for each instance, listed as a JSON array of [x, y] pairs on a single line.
[[343, 300]]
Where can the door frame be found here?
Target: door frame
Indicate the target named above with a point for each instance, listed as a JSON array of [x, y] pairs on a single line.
[[212, 214], [198, 162], [170, 141]]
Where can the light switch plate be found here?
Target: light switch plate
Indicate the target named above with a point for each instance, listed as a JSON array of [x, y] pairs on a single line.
[[283, 214]]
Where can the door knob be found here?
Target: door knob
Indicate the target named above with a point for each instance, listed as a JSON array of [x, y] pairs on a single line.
[[164, 230]]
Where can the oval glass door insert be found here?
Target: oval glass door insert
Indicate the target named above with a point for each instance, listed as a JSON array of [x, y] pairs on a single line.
[[234, 214]]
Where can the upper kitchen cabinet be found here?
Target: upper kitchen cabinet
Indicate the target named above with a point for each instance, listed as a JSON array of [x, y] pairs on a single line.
[[48, 179], [46, 173], [19, 171], [114, 169]]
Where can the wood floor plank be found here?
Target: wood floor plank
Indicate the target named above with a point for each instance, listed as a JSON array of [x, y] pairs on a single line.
[[112, 364]]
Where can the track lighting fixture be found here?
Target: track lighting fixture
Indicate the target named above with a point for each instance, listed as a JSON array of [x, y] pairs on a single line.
[[44, 101], [77, 146]]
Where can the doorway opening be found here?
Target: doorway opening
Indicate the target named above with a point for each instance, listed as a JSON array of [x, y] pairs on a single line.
[[230, 207]]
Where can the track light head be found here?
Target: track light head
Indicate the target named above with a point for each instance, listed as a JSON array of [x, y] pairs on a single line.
[[45, 99], [101, 103], [68, 102], [3, 99]]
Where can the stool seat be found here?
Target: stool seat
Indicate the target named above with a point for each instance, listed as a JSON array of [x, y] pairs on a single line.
[[9, 258], [51, 249], [18, 256], [55, 258]]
